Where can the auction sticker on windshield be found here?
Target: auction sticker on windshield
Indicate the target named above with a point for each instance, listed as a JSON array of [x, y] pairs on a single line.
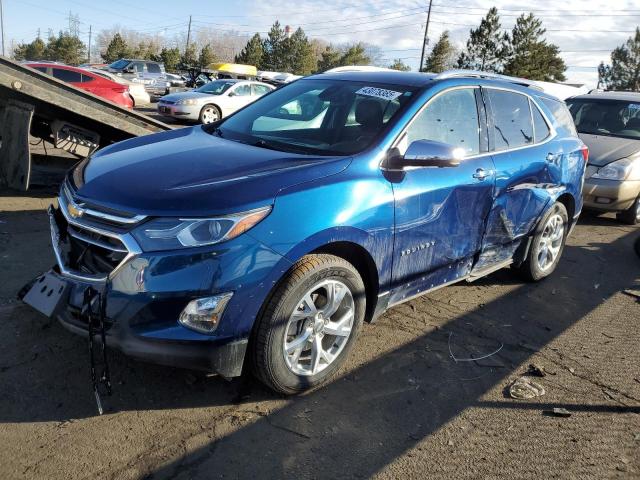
[[379, 93]]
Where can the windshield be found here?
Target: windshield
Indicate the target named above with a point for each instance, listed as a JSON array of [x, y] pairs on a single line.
[[321, 117], [217, 87], [615, 118], [119, 64]]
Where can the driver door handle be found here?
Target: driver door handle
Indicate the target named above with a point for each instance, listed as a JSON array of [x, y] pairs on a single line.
[[481, 174]]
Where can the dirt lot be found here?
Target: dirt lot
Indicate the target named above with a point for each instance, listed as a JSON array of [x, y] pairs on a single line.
[[408, 404]]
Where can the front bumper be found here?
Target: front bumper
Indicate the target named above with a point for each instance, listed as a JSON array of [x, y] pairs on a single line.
[[610, 195], [186, 112]]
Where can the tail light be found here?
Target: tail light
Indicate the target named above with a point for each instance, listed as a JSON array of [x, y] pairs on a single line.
[[585, 153]]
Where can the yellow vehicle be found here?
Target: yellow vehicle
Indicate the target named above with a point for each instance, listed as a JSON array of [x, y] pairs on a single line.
[[234, 70]]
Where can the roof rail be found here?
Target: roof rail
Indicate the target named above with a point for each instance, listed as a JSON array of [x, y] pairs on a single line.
[[479, 74]]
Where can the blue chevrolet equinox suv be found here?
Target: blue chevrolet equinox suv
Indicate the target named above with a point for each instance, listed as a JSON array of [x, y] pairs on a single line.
[[262, 242]]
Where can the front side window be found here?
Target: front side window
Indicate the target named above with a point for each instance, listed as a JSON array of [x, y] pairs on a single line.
[[138, 67], [512, 126], [69, 76], [243, 90], [313, 116], [614, 118], [451, 118]]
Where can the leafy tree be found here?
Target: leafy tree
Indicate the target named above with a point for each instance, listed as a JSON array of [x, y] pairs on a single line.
[[252, 53], [30, 51], [190, 55], [398, 64], [442, 55], [529, 55], [300, 57], [274, 49], [170, 57], [329, 59], [116, 49], [624, 71], [206, 56], [65, 48], [485, 48]]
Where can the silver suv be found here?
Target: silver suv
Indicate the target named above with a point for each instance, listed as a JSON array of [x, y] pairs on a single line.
[[152, 74]]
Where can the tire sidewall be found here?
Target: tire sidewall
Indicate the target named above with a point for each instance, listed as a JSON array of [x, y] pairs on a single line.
[[536, 272], [281, 374]]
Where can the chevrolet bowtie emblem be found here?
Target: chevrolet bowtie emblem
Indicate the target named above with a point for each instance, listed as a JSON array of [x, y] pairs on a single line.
[[74, 211]]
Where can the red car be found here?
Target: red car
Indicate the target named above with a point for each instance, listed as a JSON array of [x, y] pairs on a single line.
[[100, 86]]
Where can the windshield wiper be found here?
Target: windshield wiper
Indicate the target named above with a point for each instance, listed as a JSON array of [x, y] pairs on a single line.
[[278, 146]]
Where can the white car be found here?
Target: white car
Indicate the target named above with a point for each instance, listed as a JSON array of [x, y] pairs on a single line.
[[136, 89], [212, 101]]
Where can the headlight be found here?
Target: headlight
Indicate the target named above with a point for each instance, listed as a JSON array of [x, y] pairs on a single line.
[[624, 169], [173, 233], [189, 101]]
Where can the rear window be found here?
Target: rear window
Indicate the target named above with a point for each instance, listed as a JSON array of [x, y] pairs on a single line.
[[119, 64], [561, 114], [512, 126]]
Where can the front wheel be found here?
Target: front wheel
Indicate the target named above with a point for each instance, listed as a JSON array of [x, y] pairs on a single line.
[[209, 114], [309, 325], [632, 214], [547, 244]]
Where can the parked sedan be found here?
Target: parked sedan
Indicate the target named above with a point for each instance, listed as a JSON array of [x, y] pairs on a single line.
[[609, 123], [212, 101], [96, 84], [136, 89]]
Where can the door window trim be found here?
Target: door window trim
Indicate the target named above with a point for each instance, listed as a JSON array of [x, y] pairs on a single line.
[[531, 101]]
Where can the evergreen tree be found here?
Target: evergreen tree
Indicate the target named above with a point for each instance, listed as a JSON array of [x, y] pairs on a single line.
[[300, 57], [206, 56], [30, 51], [398, 64], [190, 56], [355, 55], [485, 48], [65, 48], [624, 71], [116, 49], [529, 55], [442, 55], [274, 49], [171, 58], [252, 53], [329, 59]]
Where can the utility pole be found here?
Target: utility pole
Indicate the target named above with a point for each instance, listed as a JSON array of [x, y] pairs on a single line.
[[426, 37], [89, 49], [2, 25], [188, 36]]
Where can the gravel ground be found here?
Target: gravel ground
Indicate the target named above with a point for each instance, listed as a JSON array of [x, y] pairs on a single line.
[[410, 403]]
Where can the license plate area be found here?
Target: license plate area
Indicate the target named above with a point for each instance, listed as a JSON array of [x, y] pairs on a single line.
[[47, 294]]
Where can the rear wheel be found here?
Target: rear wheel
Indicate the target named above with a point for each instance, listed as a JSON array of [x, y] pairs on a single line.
[[210, 114], [309, 325], [547, 244], [632, 214]]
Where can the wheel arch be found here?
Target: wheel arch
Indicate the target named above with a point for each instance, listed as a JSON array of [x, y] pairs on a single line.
[[569, 203]]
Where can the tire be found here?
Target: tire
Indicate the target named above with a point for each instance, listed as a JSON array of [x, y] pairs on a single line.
[[631, 216], [288, 340], [551, 234], [209, 114]]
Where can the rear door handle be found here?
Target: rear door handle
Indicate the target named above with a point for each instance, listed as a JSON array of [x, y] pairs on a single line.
[[481, 174]]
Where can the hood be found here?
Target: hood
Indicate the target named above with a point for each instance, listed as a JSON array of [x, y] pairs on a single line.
[[188, 172], [174, 97], [604, 149]]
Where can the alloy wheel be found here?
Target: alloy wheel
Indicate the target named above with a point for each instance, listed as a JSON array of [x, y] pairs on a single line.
[[319, 328], [550, 242]]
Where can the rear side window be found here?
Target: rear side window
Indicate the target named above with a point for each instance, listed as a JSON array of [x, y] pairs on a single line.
[[452, 118], [512, 125], [153, 68], [67, 75], [561, 114], [260, 89], [540, 128]]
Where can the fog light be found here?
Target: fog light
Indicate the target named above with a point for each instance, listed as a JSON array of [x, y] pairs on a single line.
[[204, 314]]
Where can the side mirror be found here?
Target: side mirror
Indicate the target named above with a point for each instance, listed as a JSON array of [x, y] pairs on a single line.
[[425, 153]]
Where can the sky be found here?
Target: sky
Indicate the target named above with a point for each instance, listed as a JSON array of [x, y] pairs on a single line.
[[585, 31]]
